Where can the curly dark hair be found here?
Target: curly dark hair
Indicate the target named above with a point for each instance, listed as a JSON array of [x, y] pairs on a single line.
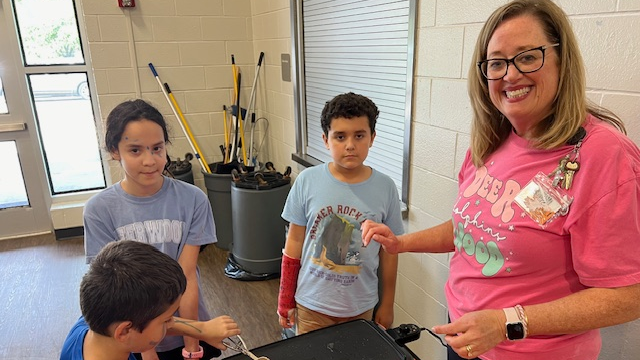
[[348, 106]]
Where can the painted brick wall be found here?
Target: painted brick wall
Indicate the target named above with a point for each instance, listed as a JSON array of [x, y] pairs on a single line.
[[609, 36], [191, 42]]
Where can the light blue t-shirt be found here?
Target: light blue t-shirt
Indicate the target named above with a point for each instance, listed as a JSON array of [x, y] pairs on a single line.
[[338, 276], [179, 214]]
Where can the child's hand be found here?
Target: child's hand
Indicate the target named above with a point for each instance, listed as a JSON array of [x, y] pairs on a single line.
[[384, 317], [217, 329], [382, 234], [289, 320], [286, 296]]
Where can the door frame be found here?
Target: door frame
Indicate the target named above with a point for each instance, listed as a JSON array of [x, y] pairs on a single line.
[[34, 218]]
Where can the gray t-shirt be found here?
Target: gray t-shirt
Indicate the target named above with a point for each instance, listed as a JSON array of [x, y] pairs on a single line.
[[338, 276], [178, 214]]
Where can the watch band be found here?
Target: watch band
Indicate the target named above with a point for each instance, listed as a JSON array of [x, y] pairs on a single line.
[[193, 355], [512, 315], [516, 323]]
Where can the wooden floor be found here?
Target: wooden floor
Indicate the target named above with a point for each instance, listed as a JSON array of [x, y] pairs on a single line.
[[252, 304], [39, 282]]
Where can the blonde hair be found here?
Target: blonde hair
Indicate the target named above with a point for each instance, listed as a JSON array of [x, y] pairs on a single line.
[[489, 128]]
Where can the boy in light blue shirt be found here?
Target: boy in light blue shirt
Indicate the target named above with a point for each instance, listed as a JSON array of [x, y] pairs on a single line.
[[327, 276]]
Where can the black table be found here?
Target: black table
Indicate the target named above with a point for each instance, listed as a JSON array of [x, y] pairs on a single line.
[[354, 340]]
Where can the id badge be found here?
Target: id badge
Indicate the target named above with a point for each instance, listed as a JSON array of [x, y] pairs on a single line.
[[542, 201]]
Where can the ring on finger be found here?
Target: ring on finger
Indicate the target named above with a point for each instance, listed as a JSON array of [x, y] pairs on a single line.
[[469, 350]]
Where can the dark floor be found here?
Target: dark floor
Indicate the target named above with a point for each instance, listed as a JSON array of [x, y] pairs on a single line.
[[40, 277]]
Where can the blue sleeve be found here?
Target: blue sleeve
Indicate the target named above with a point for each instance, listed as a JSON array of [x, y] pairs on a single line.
[[72, 348], [97, 234], [393, 218], [294, 208], [203, 229]]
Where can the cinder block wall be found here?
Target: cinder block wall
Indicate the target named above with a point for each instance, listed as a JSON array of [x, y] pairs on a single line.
[[272, 34], [190, 43], [609, 36]]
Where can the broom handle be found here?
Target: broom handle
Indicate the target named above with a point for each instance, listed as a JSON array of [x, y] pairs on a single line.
[[166, 96]]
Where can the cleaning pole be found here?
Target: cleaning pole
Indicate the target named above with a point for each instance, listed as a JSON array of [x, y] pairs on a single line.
[[251, 109], [198, 156], [185, 125]]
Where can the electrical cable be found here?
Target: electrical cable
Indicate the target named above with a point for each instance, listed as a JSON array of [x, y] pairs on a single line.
[[442, 342], [410, 332]]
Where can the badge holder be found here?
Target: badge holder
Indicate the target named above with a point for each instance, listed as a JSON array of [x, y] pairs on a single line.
[[545, 197], [543, 201]]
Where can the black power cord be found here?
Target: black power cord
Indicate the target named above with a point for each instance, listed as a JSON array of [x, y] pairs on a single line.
[[405, 333], [410, 332]]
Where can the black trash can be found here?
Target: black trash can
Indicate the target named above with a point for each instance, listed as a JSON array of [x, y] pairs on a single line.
[[259, 232]]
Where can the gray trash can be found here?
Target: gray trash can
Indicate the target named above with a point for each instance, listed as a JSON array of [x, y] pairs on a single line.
[[181, 169], [219, 192], [183, 173], [258, 230]]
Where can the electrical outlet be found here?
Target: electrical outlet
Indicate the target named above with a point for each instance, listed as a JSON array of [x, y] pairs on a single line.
[[126, 3]]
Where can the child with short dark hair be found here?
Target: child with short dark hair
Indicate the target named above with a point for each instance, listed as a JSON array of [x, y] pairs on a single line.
[[327, 276], [128, 298]]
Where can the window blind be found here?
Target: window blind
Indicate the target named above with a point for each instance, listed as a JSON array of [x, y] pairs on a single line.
[[366, 47]]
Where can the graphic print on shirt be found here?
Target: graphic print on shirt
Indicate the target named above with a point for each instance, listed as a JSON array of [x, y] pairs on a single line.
[[153, 231], [485, 203], [337, 243]]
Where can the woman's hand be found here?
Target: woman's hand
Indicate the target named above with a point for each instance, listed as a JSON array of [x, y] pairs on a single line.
[[382, 234], [474, 333]]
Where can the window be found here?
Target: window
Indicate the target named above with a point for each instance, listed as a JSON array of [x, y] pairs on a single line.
[[56, 75], [3, 102], [12, 189], [363, 46]]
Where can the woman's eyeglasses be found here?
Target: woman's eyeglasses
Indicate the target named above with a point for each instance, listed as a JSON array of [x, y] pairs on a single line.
[[526, 62]]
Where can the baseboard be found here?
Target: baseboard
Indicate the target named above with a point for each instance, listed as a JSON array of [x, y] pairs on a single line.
[[64, 234]]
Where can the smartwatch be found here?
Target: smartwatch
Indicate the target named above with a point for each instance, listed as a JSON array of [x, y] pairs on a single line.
[[515, 324], [193, 355]]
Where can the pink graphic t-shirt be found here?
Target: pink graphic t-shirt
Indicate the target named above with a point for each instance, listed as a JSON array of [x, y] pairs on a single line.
[[504, 258]]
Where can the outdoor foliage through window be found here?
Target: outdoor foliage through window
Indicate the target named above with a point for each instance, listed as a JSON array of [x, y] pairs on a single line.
[[49, 32]]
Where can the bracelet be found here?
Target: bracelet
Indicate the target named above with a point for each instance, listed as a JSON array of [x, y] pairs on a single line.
[[193, 355], [522, 316]]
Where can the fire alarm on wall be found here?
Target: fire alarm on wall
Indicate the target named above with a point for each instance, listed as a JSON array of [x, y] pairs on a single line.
[[126, 3]]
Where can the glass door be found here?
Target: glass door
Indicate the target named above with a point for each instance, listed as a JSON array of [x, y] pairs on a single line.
[[48, 134], [23, 209]]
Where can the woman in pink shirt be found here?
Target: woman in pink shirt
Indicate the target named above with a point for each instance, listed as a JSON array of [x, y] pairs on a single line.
[[547, 219]]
